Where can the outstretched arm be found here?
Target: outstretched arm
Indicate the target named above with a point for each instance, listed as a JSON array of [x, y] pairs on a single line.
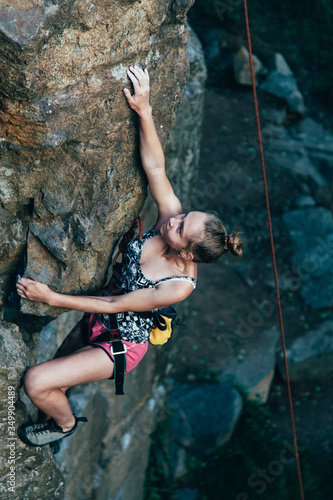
[[145, 299], [151, 151]]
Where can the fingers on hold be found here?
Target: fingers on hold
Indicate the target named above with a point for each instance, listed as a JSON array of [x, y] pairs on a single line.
[[140, 70], [132, 77], [135, 72]]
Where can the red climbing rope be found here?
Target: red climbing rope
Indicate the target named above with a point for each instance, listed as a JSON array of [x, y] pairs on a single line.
[[272, 247]]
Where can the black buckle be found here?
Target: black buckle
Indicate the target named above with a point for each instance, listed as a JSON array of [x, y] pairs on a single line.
[[117, 347]]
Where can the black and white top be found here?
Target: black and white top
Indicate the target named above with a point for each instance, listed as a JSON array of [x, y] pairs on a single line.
[[133, 327]]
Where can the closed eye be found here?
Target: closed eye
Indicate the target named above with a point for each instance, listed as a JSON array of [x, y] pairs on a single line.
[[181, 225]]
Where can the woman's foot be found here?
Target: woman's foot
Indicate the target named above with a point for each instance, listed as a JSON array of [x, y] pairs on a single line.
[[46, 432]]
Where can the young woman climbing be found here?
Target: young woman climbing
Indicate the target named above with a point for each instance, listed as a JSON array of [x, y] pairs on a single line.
[[158, 271]]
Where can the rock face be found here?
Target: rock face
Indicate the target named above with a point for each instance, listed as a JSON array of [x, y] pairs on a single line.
[[69, 186], [23, 470], [69, 177]]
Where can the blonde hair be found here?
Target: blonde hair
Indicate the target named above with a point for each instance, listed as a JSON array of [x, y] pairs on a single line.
[[215, 242]]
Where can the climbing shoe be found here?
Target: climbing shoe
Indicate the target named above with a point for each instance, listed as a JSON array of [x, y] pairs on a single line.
[[45, 433]]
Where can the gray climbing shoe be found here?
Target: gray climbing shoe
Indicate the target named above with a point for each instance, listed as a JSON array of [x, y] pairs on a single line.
[[45, 433]]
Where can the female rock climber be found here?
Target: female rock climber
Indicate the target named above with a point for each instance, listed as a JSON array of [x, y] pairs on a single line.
[[158, 271]]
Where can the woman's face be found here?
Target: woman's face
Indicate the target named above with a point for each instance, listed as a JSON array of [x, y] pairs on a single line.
[[183, 228]]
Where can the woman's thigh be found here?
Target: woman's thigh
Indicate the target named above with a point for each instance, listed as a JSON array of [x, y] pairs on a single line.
[[89, 364]]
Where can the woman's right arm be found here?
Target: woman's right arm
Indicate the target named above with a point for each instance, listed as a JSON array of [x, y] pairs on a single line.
[[146, 299], [151, 151]]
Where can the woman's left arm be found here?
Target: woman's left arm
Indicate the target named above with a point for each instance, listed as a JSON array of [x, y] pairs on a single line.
[[162, 295]]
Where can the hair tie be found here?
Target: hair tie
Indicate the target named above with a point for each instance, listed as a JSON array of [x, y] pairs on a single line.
[[226, 243]]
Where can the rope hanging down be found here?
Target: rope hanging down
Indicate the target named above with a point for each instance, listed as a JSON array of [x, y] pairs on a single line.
[[272, 247]]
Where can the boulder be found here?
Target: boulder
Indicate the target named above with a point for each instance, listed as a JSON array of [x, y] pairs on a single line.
[[204, 419], [310, 357], [241, 65], [274, 61], [254, 367], [311, 234], [319, 146], [291, 155], [305, 202], [285, 87]]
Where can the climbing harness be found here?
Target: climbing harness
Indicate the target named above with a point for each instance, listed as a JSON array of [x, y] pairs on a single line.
[[164, 319], [118, 351], [272, 246]]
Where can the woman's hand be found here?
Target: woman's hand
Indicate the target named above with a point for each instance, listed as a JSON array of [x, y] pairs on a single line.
[[33, 290], [139, 102]]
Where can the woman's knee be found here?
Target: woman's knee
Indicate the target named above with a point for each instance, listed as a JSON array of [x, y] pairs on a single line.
[[34, 382]]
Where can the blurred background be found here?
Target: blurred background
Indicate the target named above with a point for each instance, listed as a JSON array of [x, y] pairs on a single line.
[[233, 332]]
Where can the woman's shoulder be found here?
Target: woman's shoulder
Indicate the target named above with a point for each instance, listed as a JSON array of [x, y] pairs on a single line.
[[187, 274]]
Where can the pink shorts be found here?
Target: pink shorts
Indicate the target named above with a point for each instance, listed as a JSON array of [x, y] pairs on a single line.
[[134, 352]]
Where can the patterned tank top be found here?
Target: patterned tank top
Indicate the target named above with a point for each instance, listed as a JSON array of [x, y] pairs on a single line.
[[133, 327]]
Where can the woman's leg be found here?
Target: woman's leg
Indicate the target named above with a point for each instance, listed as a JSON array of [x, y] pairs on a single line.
[[45, 383], [42, 417]]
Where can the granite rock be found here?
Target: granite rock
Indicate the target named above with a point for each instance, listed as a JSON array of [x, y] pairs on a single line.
[[69, 178]]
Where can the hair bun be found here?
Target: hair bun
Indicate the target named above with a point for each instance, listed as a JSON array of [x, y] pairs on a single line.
[[234, 244]]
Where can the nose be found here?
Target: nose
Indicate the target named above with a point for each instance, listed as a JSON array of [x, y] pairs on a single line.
[[172, 221]]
